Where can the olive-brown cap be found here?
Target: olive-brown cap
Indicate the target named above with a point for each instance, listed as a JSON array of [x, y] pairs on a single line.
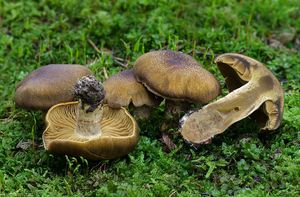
[[49, 85], [122, 89], [118, 136], [176, 76]]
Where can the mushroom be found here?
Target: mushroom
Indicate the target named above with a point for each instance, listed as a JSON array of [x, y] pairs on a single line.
[[88, 128], [122, 90], [177, 77], [252, 86], [49, 85]]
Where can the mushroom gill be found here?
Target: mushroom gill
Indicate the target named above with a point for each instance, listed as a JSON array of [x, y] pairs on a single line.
[[119, 133], [88, 128]]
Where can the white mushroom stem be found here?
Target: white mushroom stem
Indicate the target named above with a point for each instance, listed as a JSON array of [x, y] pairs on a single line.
[[200, 126], [88, 123]]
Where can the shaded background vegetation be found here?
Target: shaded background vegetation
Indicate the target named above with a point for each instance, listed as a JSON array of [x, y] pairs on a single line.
[[238, 162]]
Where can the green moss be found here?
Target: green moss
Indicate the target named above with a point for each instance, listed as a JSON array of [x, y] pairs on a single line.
[[239, 162]]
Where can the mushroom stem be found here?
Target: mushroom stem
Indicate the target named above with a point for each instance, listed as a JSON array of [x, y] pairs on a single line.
[[172, 113], [176, 107], [88, 123], [90, 93], [142, 112], [202, 125]]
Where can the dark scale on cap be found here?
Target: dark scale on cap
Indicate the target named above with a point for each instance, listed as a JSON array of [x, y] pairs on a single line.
[[90, 92], [178, 59]]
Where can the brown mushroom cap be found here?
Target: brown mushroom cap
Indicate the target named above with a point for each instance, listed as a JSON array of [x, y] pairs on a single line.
[[259, 88], [49, 85], [122, 89], [176, 76], [118, 136]]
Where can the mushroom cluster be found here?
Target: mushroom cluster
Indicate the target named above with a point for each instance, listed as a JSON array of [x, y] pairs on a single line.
[[174, 76], [89, 128], [90, 119], [86, 127]]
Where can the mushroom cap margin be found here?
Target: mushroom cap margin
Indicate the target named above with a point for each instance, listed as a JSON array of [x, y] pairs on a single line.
[[111, 144]]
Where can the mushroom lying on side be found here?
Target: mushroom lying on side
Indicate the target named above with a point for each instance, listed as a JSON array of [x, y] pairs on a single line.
[[49, 85], [177, 77], [252, 86], [122, 90], [89, 129]]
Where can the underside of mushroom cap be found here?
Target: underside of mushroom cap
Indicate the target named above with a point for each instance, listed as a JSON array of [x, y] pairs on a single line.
[[49, 85], [123, 89], [119, 133], [176, 76]]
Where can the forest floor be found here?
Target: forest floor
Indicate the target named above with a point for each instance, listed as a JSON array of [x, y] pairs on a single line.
[[240, 161]]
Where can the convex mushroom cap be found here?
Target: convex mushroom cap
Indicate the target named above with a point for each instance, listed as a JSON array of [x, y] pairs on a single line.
[[176, 76], [49, 85], [88, 128], [252, 86], [123, 89]]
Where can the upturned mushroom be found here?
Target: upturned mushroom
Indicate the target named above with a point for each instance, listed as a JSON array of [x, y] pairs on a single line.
[[49, 85], [252, 86], [123, 90], [177, 77], [88, 128]]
